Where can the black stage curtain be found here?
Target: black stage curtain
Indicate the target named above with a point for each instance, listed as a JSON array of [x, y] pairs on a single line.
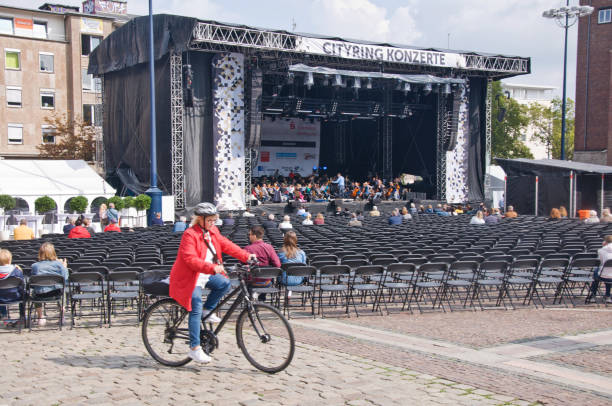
[[476, 138]]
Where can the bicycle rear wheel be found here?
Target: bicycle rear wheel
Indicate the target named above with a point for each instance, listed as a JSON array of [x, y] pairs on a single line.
[[265, 338], [165, 332]]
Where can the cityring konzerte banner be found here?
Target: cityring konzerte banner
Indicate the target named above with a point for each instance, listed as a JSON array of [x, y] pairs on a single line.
[[288, 145]]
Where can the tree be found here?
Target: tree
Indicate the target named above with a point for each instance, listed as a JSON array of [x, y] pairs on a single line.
[[117, 201], [546, 121], [509, 122], [44, 204], [74, 139], [7, 202], [79, 204]]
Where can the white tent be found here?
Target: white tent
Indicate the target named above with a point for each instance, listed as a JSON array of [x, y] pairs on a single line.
[[58, 179]]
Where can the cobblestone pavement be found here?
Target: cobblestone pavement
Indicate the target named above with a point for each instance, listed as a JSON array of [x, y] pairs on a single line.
[[338, 361]]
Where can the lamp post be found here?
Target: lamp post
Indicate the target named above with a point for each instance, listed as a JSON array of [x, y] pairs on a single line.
[[566, 17], [153, 191]]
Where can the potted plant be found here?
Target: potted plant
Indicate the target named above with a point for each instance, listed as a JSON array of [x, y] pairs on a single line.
[[79, 204], [44, 204], [129, 211], [117, 201], [6, 203], [142, 203]]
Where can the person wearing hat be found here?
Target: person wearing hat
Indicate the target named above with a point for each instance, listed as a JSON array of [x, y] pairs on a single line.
[[199, 265]]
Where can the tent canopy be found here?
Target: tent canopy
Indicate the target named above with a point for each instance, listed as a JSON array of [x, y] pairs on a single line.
[[539, 167]]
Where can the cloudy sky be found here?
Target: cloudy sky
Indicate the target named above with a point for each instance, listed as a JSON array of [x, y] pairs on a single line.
[[509, 27]]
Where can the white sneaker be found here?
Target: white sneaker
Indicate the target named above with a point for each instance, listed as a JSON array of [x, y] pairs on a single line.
[[199, 356], [289, 293], [212, 318]]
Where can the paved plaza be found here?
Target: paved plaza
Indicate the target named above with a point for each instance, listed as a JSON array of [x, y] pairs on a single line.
[[496, 357]]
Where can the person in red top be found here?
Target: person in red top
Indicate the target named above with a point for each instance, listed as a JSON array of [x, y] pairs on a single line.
[[266, 256], [79, 231], [112, 226], [199, 265]]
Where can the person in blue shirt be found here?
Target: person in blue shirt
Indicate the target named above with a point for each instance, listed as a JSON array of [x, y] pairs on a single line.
[[112, 213], [13, 294], [291, 254], [340, 182], [157, 220], [48, 264], [180, 225], [395, 218]]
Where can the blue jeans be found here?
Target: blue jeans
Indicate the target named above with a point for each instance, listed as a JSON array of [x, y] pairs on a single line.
[[218, 286], [595, 284]]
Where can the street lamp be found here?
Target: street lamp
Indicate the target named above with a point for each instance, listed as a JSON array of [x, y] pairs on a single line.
[[565, 17]]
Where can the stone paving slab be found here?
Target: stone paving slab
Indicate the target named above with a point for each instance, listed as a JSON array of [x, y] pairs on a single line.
[[111, 366]]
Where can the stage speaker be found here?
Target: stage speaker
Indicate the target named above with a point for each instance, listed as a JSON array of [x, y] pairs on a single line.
[[290, 208], [254, 113], [452, 125]]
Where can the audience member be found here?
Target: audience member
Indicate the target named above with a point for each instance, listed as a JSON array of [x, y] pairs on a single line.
[[603, 274], [492, 218], [48, 264], [413, 210], [269, 223], [301, 211], [308, 220], [291, 254], [319, 219], [606, 217], [405, 214], [180, 225], [395, 217], [157, 220], [510, 213], [592, 217], [285, 224], [102, 213], [478, 218], [353, 222], [229, 219], [78, 231], [88, 227], [7, 269], [69, 225], [112, 227], [360, 216], [374, 212], [563, 212], [555, 214], [247, 213], [22, 231], [112, 213], [266, 256]]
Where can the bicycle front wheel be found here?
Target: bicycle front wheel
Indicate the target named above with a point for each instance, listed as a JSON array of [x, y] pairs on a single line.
[[165, 332], [265, 338]]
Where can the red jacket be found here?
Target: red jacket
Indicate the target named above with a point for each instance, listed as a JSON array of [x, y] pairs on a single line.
[[190, 261], [79, 232], [112, 227]]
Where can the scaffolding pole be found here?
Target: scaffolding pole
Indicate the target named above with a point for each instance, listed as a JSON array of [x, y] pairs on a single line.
[[387, 137], [176, 117]]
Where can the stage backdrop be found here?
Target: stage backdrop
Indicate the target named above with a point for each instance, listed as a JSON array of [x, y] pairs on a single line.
[[288, 145]]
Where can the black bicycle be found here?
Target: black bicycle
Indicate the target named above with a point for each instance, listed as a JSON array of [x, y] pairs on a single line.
[[262, 332]]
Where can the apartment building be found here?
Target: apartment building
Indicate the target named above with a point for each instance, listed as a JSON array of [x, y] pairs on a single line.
[[44, 57], [593, 136], [526, 95]]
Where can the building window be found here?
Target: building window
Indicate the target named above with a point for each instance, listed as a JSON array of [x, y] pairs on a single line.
[[48, 134], [13, 96], [47, 99], [89, 43], [46, 62], [605, 16], [12, 59], [90, 83], [39, 29], [15, 134], [6, 26], [88, 114]]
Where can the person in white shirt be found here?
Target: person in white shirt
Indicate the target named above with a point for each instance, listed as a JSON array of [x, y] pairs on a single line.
[[285, 224], [308, 220], [604, 273], [478, 218]]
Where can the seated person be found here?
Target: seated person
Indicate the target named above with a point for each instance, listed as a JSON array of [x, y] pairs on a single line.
[[269, 223], [78, 231], [180, 225], [429, 209], [112, 227], [23, 232], [395, 217], [266, 256], [492, 218], [374, 212], [88, 227], [13, 294], [285, 224], [353, 222], [319, 219], [291, 254], [603, 274], [478, 218], [69, 225], [308, 220], [405, 214], [157, 220], [592, 217], [229, 220], [301, 211], [247, 213], [413, 209], [510, 213], [360, 216], [48, 264]]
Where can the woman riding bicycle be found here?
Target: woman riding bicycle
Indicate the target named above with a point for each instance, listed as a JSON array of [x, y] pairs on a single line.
[[198, 265]]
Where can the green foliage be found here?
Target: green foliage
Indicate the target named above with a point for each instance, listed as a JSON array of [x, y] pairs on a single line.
[[7, 202], [142, 202], [44, 204], [118, 201], [546, 122], [79, 204], [128, 202], [506, 133]]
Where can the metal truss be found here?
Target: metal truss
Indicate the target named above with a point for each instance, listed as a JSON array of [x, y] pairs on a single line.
[[98, 127], [276, 46], [442, 123], [387, 137], [488, 127], [250, 160], [176, 118]]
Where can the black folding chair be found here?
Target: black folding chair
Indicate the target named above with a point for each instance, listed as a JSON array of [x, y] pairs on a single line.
[[122, 291], [17, 285], [86, 295], [365, 284], [306, 289], [331, 286], [54, 296]]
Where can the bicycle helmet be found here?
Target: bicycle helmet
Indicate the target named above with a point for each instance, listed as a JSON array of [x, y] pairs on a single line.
[[205, 209]]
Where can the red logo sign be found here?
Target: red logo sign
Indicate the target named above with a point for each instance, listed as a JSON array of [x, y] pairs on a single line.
[[265, 156]]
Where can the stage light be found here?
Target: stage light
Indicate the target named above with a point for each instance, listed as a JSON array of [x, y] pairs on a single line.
[[369, 84], [446, 89], [427, 88], [325, 168], [338, 81], [309, 80], [357, 83], [406, 88], [314, 168]]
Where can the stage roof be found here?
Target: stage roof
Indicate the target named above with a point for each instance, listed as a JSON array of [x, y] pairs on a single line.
[[541, 166], [127, 46]]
